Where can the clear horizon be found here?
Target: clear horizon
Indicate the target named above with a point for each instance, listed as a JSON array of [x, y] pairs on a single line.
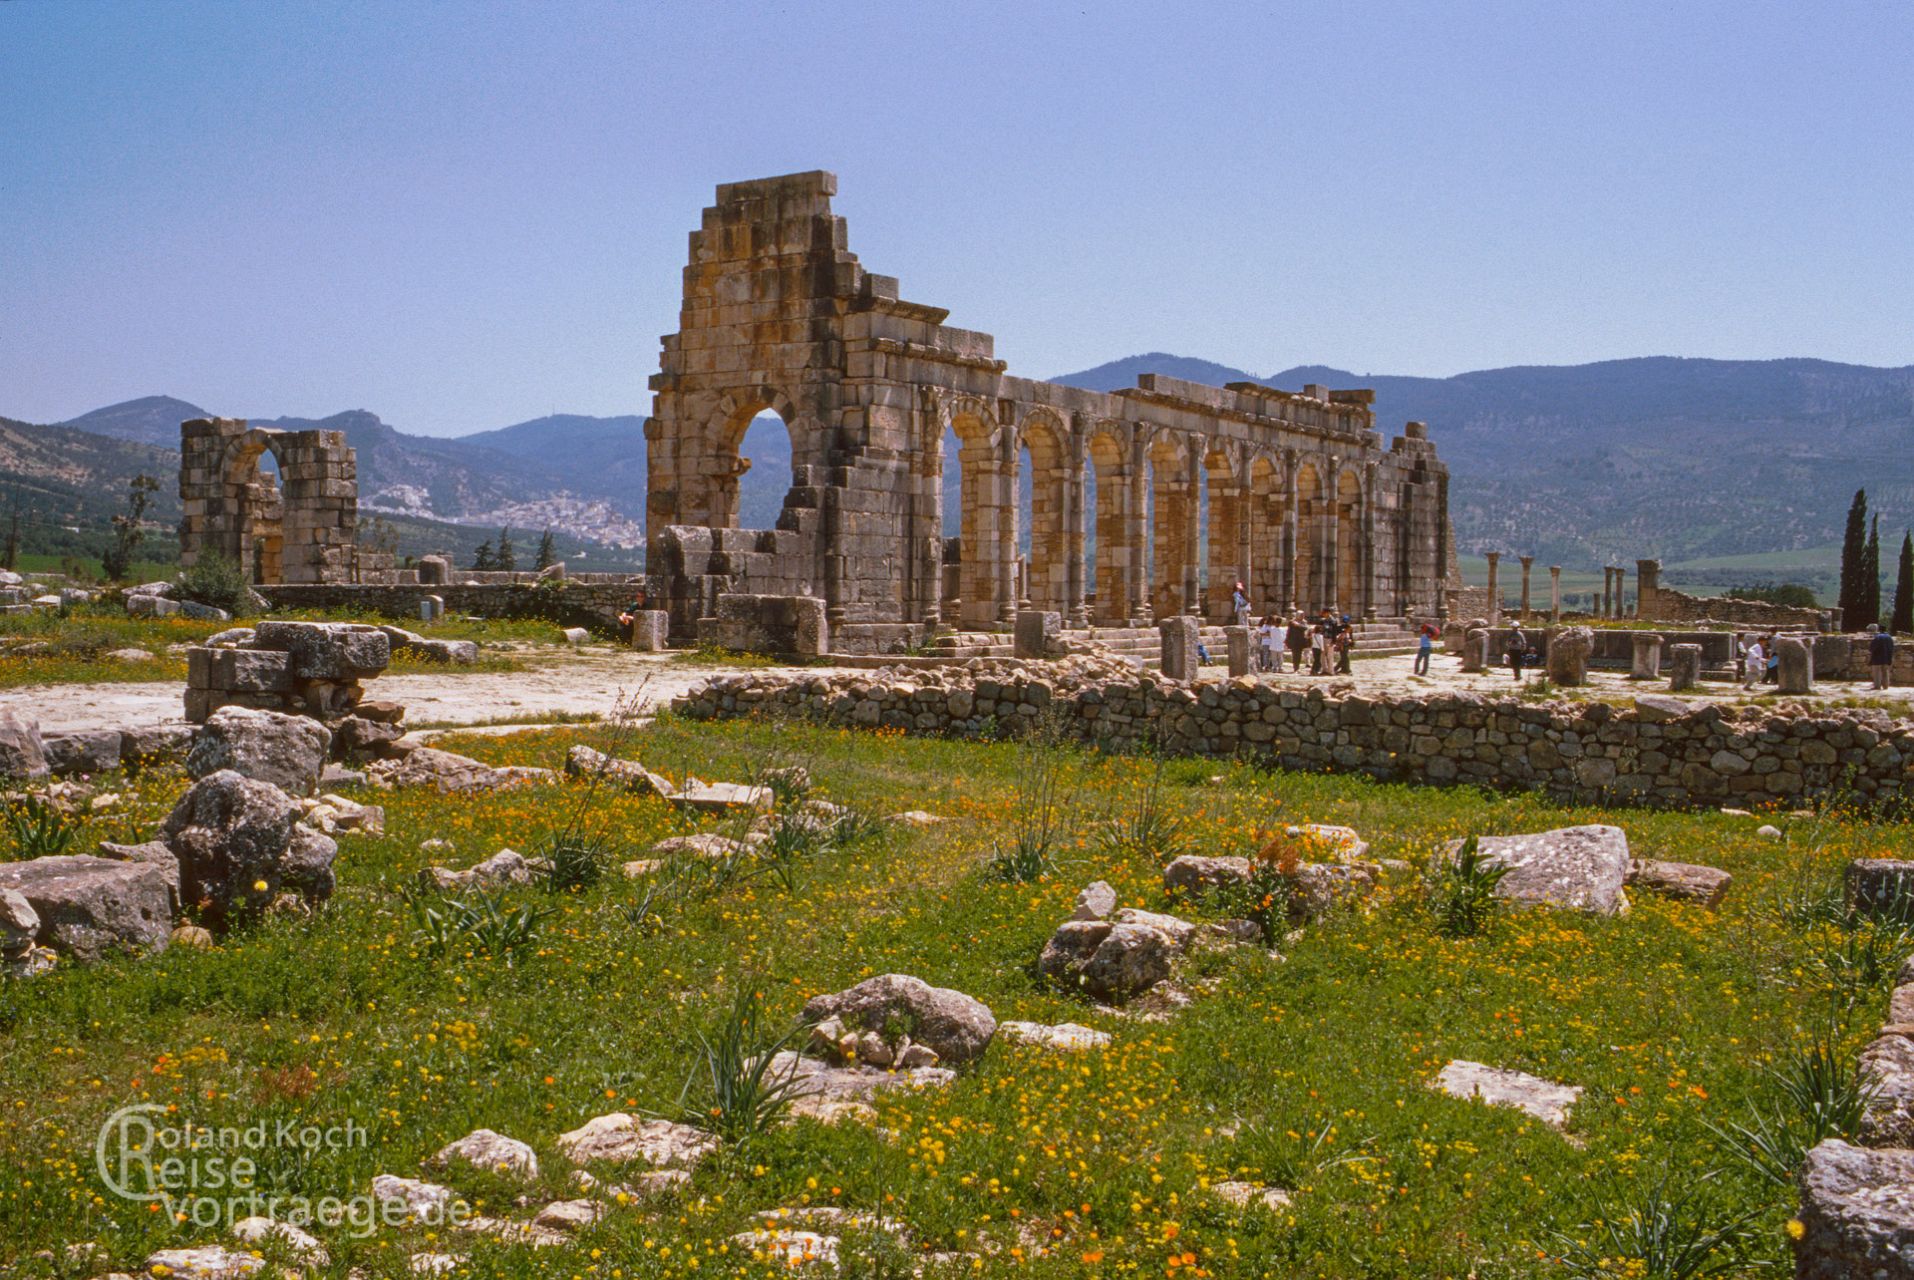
[[464, 216]]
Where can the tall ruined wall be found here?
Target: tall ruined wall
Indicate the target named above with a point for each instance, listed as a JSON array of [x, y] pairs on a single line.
[[1306, 504]]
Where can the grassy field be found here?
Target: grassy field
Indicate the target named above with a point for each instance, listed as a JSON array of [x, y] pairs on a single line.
[[1309, 1071], [69, 646]]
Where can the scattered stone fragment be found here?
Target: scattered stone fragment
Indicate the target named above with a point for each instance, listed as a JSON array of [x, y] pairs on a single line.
[[585, 762], [569, 1216], [1248, 1195], [1547, 1102], [647, 1186], [812, 1079], [914, 818], [88, 907], [426, 1201], [435, 1264], [1857, 1214], [824, 1215], [258, 1231], [789, 1248], [703, 845], [238, 848], [951, 1024], [1880, 886], [1064, 1036], [490, 1151], [89, 752], [1768, 832], [1095, 902], [1683, 880], [1887, 1065], [507, 1232], [448, 771], [722, 797], [1583, 868], [1318, 888], [287, 751], [1192, 873], [22, 750], [206, 1262], [507, 866], [130, 656], [619, 1138], [193, 937]]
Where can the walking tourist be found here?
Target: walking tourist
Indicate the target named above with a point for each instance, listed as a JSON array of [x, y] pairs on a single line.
[[1239, 605], [1425, 645], [1518, 651], [1754, 662], [1269, 644], [1298, 640], [1880, 655]]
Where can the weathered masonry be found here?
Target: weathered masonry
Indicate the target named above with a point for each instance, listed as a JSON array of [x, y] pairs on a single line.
[[302, 528], [1144, 503]]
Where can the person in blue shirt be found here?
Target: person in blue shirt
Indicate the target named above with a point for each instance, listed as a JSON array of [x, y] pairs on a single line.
[[1425, 645], [1880, 656]]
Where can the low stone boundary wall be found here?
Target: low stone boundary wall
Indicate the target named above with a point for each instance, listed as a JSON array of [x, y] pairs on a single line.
[[1661, 752]]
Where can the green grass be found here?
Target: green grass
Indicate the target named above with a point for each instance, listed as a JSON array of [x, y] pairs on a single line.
[[1310, 1073], [54, 647]]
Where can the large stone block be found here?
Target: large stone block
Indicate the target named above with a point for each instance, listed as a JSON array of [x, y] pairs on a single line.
[[91, 907], [1857, 1214], [1236, 642], [1684, 670], [22, 751], [327, 650], [1797, 663], [1039, 634], [1578, 867], [1568, 651], [1646, 663]]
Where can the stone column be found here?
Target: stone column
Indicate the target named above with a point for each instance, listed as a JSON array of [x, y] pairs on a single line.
[[1647, 657], [1797, 663], [1179, 647], [1555, 595], [1287, 566], [1608, 587], [1568, 655], [648, 630], [1647, 583], [1495, 591], [1140, 574], [1237, 640], [1684, 667], [1076, 574], [1528, 562]]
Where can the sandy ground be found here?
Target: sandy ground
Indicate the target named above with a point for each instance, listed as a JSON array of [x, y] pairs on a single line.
[[595, 680]]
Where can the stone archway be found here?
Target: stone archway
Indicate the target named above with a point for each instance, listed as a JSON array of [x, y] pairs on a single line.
[[987, 517], [1223, 551], [255, 537], [1173, 499], [1118, 551], [1264, 510], [1043, 441], [738, 410], [1307, 566], [1349, 548]]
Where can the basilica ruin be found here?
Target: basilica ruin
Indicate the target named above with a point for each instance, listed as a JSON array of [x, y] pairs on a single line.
[[1144, 504]]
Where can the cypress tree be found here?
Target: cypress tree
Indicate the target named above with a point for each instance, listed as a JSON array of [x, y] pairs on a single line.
[[1904, 587], [505, 558], [1853, 553], [547, 552], [1871, 583], [482, 558]]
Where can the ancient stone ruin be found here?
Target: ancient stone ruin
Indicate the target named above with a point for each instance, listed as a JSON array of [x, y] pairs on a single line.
[[1304, 503], [301, 529]]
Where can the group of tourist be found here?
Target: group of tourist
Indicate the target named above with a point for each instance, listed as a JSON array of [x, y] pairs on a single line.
[[1328, 642]]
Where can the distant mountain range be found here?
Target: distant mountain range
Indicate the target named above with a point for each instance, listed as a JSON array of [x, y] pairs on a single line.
[[1582, 464]]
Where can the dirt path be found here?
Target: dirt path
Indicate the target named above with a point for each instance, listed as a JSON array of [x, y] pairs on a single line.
[[555, 682]]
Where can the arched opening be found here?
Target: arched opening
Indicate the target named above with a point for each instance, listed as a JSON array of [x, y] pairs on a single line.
[[1223, 534], [1306, 567], [257, 540], [1173, 498], [1116, 561], [757, 440], [1263, 509], [1349, 550], [1045, 539], [985, 523]]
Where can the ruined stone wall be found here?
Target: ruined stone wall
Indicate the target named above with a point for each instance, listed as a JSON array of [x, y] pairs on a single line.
[[1306, 504], [1661, 753], [301, 529], [1658, 603]]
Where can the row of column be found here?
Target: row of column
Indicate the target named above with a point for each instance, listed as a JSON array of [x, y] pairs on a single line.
[[1611, 605]]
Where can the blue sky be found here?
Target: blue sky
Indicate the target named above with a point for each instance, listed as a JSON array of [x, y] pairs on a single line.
[[465, 215]]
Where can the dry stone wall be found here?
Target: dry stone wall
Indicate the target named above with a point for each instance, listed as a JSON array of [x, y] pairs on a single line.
[[1662, 751]]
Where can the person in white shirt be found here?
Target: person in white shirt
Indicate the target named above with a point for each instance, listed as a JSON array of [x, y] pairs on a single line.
[[1270, 642], [1754, 664]]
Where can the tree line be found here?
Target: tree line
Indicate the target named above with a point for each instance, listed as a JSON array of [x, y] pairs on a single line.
[[1860, 601]]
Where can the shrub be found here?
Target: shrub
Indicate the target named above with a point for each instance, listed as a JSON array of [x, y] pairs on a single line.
[[214, 580], [577, 859], [1041, 800], [1462, 891], [474, 919], [1146, 824]]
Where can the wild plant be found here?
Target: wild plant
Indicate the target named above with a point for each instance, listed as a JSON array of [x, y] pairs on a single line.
[[444, 926], [1042, 800], [39, 828], [1461, 890], [1145, 823], [735, 1089], [1816, 1092], [1657, 1234]]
